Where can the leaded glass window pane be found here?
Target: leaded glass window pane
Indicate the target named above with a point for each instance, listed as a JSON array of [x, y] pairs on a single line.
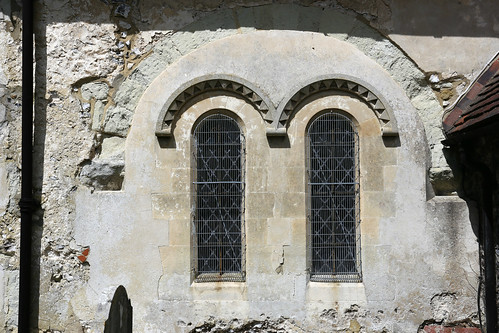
[[333, 199], [219, 199]]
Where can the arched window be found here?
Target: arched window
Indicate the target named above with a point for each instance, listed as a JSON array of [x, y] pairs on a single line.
[[333, 199], [219, 199]]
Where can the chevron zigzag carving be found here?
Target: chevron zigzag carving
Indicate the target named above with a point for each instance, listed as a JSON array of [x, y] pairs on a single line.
[[342, 85], [215, 85], [277, 120]]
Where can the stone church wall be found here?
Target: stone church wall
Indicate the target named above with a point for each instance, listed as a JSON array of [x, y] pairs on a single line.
[[115, 198]]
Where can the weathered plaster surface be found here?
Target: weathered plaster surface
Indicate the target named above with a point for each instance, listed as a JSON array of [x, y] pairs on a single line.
[[397, 229], [446, 36], [276, 17], [10, 96]]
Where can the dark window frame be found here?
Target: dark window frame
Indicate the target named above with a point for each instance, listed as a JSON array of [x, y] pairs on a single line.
[[218, 196], [333, 198]]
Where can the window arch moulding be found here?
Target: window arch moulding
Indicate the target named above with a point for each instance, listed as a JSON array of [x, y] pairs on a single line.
[[219, 83], [276, 119], [362, 91]]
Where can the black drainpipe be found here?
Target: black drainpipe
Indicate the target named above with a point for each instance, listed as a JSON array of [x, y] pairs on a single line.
[[26, 202]]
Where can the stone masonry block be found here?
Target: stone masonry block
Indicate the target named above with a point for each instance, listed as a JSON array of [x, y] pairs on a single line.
[[98, 115], [218, 291], [258, 259], [97, 90], [257, 156], [4, 187], [170, 206], [180, 232], [370, 128], [291, 204], [299, 231], [256, 231], [291, 179], [257, 180], [113, 147], [389, 176], [260, 205], [175, 259], [378, 204], [294, 259], [293, 158], [370, 230], [339, 292], [371, 178], [180, 179], [374, 152], [279, 231]]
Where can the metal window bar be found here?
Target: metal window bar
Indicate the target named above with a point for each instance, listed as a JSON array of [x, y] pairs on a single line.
[[219, 199], [333, 199]]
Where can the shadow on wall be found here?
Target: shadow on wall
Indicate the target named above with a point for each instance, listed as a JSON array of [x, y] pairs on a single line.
[[405, 17], [120, 318]]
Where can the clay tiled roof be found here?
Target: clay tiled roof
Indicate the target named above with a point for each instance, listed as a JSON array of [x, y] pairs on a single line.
[[478, 106]]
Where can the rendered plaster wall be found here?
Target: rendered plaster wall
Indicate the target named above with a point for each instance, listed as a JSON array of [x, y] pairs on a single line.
[[409, 269], [10, 97], [94, 61]]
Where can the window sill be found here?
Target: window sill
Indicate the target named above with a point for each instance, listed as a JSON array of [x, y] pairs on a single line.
[[343, 278], [217, 277]]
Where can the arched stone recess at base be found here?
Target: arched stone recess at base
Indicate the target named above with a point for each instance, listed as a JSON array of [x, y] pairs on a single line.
[[343, 83], [212, 84]]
